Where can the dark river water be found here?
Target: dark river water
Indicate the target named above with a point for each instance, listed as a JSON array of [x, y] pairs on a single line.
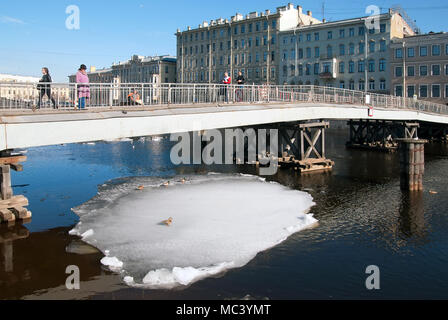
[[364, 219]]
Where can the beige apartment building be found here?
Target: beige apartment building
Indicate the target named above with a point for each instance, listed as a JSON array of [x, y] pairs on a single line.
[[351, 53], [24, 88], [249, 44], [420, 67], [138, 69]]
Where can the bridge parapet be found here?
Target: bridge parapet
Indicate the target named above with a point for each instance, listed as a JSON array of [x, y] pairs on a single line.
[[20, 97]]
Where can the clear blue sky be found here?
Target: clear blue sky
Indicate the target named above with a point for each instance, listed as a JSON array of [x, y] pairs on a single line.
[[33, 33]]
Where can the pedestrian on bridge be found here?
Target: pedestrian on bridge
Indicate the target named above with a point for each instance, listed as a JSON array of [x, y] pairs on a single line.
[[44, 87], [82, 80], [225, 81]]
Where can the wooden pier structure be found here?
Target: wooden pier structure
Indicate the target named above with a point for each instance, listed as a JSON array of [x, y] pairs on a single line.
[[12, 207]]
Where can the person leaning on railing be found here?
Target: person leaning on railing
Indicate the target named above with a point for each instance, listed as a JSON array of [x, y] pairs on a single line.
[[240, 80], [82, 80], [45, 88]]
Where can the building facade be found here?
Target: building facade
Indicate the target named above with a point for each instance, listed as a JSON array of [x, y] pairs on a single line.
[[25, 88], [420, 67], [244, 43], [344, 54], [138, 69]]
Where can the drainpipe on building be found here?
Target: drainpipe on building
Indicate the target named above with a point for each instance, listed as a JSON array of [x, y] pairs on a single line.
[[404, 70], [365, 58], [295, 56], [269, 53]]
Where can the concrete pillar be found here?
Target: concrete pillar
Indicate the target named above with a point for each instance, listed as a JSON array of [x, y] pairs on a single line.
[[412, 163]]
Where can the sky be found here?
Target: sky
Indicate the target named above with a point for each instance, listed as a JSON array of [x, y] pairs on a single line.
[[33, 34]]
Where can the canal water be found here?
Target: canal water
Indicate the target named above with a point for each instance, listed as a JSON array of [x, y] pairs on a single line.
[[364, 219]]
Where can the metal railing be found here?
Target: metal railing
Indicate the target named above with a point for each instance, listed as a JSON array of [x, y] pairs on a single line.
[[25, 96]]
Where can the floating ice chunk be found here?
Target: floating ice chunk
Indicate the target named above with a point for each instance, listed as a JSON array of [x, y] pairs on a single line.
[[221, 222], [87, 234], [112, 262], [128, 280]]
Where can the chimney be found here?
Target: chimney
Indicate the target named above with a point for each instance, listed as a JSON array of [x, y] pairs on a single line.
[[268, 12], [308, 13], [324, 20], [92, 69], [299, 8]]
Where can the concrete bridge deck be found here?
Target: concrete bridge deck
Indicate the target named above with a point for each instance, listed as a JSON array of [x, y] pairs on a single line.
[[29, 129]]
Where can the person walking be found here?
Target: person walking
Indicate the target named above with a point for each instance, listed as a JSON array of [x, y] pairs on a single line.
[[82, 81], [226, 81], [239, 92], [44, 87]]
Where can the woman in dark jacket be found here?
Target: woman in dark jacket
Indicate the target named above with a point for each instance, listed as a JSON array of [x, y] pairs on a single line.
[[44, 87]]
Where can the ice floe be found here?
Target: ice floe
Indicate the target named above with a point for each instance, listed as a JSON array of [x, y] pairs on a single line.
[[220, 222]]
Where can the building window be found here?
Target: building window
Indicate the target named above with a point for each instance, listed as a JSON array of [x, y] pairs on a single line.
[[308, 37], [411, 52], [436, 50], [351, 67], [308, 52], [423, 51], [371, 65], [371, 84], [372, 46], [361, 85], [330, 35], [300, 53], [361, 47], [316, 52], [250, 27], [446, 69], [257, 28], [351, 85], [382, 66], [423, 91], [446, 91], [316, 36], [383, 45], [342, 84], [308, 69], [361, 67], [382, 27], [423, 71], [329, 52], [351, 49], [265, 27], [300, 70], [399, 90], [274, 24], [351, 32], [382, 84], [435, 69], [435, 92], [265, 40], [361, 31], [341, 67], [398, 71], [411, 91], [316, 68], [399, 53], [342, 33], [341, 49]]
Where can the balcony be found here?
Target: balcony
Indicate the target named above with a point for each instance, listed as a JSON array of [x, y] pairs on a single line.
[[327, 75]]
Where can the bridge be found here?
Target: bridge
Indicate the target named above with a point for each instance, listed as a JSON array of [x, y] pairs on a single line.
[[116, 111]]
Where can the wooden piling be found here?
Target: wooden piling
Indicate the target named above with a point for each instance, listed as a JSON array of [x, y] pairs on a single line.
[[412, 163], [11, 207]]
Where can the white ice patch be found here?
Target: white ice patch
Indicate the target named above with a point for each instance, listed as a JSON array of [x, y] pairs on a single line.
[[112, 262], [219, 222]]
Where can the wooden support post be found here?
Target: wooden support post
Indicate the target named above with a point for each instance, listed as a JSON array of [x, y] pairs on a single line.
[[11, 207], [412, 163]]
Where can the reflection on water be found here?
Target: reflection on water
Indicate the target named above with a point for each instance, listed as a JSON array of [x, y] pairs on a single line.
[[363, 216]]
